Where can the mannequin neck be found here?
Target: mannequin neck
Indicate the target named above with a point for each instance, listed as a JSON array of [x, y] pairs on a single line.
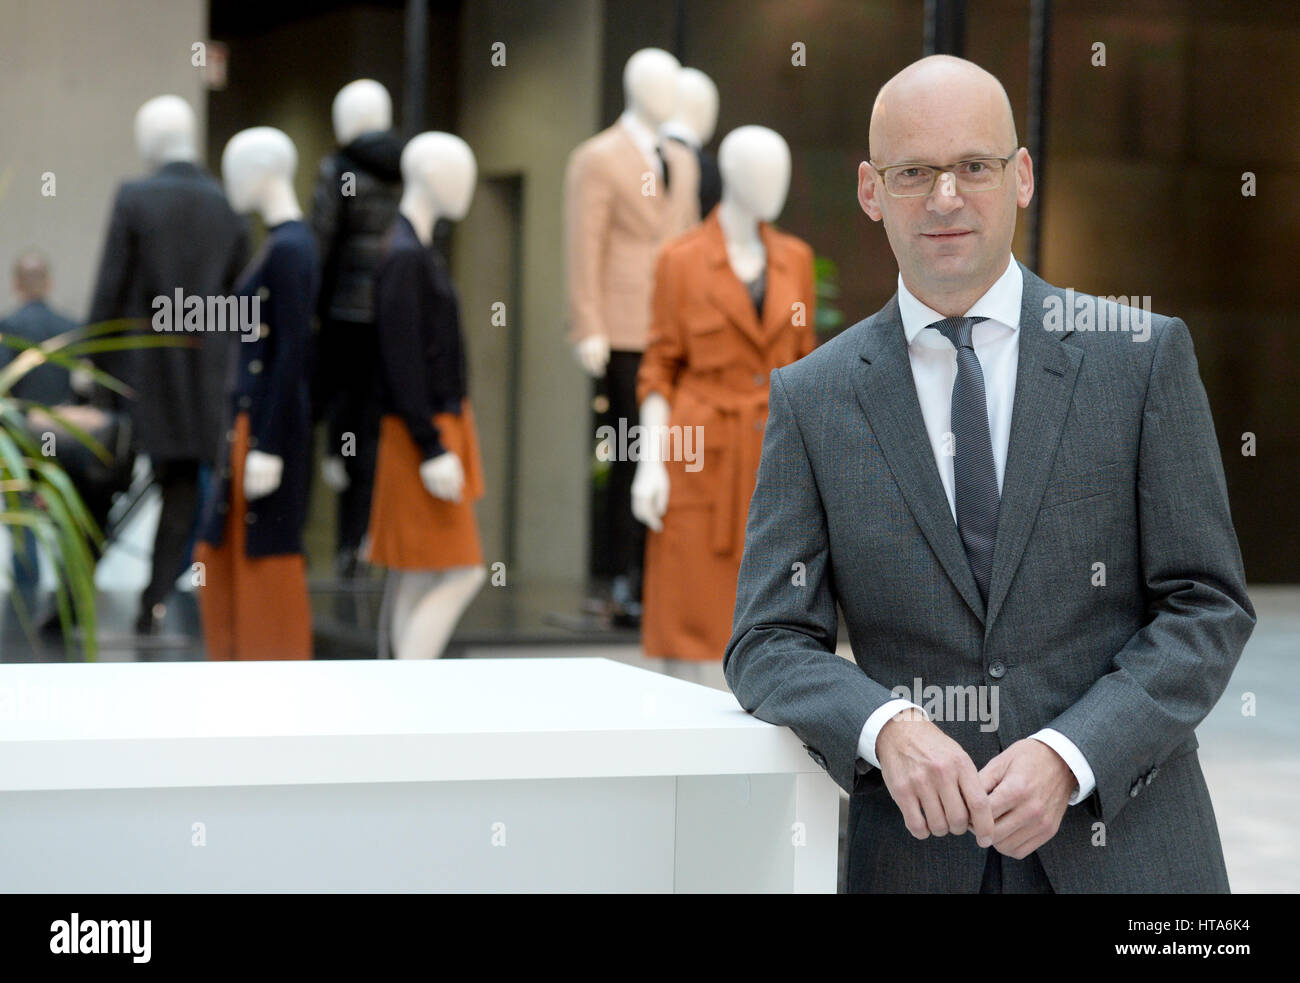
[[745, 250], [280, 204], [739, 225], [420, 212]]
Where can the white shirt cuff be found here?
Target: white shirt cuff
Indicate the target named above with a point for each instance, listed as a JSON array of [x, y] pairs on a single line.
[[1073, 757], [876, 723]]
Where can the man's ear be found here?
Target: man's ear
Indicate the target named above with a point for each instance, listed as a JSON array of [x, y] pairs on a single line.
[[868, 189], [1024, 178]]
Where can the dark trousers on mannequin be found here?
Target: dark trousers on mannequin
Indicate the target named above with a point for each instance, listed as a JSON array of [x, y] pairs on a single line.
[[627, 535], [347, 394], [178, 482], [1006, 875]]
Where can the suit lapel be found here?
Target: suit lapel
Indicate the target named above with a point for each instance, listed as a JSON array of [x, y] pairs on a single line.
[[1046, 371], [884, 387]]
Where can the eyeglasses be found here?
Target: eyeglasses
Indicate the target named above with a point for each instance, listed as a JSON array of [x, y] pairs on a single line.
[[917, 180]]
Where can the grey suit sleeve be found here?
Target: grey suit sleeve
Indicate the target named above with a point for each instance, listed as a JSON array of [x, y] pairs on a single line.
[[1170, 674], [780, 661]]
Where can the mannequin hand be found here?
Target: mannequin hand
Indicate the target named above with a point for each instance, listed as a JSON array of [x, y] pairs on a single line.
[[593, 354], [261, 474], [334, 474], [650, 493], [443, 476]]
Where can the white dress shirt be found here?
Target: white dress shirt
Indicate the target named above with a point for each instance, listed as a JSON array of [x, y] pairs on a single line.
[[646, 140], [934, 370]]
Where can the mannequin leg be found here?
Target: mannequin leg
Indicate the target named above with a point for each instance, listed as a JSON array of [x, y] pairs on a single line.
[[426, 630], [403, 593]]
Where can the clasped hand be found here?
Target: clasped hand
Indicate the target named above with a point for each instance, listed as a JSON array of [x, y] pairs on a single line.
[[1014, 803]]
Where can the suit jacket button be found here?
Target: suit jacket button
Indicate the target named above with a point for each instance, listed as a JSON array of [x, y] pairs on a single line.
[[996, 669], [1137, 787], [255, 366]]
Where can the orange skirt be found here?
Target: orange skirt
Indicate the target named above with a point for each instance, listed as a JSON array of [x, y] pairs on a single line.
[[253, 608], [410, 529]]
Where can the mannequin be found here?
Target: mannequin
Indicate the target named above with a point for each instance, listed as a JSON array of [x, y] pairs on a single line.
[[734, 298], [172, 230], [692, 125], [422, 523], [626, 194], [353, 204], [254, 593]]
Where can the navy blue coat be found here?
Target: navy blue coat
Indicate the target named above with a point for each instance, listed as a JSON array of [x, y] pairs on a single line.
[[34, 321], [270, 383]]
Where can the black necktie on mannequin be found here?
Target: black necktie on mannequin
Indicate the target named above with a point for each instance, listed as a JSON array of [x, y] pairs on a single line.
[[664, 164], [975, 476]]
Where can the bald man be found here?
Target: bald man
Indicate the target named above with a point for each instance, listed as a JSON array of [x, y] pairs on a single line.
[[1025, 522]]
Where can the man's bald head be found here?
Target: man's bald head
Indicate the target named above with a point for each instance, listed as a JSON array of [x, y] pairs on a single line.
[[932, 93], [953, 242], [31, 275]]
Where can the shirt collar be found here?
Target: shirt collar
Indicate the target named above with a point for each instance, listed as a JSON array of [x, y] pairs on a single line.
[[1001, 303], [645, 138]]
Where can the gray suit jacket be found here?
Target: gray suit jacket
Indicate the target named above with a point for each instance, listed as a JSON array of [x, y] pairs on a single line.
[[1112, 459]]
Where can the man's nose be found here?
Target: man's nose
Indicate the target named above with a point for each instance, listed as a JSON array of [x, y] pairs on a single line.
[[944, 198]]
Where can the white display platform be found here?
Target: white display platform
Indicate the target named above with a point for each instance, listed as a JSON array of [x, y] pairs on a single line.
[[577, 774]]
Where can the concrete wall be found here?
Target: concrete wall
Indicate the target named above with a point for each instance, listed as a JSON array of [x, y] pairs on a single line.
[[524, 118], [74, 74]]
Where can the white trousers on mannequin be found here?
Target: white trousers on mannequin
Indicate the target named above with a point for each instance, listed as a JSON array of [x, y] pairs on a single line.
[[422, 607]]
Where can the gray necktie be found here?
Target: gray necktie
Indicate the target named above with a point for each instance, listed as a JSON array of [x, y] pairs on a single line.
[[975, 477]]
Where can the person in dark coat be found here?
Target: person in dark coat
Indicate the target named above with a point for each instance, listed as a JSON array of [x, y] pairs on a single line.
[[172, 231], [353, 205], [47, 384]]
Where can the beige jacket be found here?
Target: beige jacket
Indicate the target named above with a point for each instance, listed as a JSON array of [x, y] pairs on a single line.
[[617, 215]]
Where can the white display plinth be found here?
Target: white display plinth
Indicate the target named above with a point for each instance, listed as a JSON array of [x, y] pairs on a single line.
[[460, 775]]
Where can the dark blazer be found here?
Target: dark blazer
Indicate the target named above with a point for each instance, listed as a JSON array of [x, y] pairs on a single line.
[[350, 228], [270, 384], [36, 322], [1113, 459], [168, 231], [417, 319]]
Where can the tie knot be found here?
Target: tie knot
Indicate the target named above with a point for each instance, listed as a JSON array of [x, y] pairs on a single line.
[[957, 329]]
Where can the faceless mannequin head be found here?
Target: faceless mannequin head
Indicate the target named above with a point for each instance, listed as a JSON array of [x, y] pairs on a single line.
[[164, 131], [258, 165], [363, 106], [697, 105], [440, 169], [755, 166], [650, 84]]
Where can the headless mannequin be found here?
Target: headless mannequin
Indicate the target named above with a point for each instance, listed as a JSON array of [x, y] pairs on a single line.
[[258, 167], [360, 107], [696, 116], [423, 606], [755, 165], [650, 93]]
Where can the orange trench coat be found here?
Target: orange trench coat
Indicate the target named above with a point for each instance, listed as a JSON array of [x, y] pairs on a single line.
[[709, 354]]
